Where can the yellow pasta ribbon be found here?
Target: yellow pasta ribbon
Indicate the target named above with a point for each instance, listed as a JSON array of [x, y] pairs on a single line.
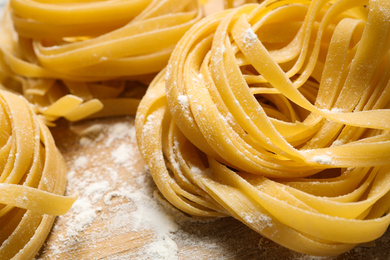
[[278, 114]]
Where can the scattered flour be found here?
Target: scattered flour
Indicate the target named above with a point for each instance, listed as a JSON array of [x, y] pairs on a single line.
[[183, 101], [81, 162], [84, 215], [220, 50], [149, 125], [119, 132], [322, 159], [120, 195], [164, 248], [123, 154], [249, 37], [338, 142]]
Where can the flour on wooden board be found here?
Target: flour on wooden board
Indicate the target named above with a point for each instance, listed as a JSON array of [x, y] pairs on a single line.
[[131, 206]]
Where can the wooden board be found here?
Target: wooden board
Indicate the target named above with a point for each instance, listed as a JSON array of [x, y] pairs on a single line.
[[119, 213]]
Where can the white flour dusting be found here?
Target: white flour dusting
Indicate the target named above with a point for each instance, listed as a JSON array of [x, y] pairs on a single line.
[[183, 101], [249, 37], [81, 162], [84, 215], [120, 195], [123, 154], [322, 159]]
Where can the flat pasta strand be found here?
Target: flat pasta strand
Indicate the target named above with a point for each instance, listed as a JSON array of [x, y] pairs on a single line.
[[278, 114]]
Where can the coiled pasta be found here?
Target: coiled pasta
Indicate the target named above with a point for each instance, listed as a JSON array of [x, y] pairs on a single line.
[[75, 58], [278, 114], [32, 179]]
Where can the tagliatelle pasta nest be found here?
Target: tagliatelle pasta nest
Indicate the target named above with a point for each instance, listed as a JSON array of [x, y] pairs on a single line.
[[278, 114], [32, 179], [75, 59]]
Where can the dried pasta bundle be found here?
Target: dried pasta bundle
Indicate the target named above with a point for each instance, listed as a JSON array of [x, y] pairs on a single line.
[[32, 179], [278, 114], [75, 58]]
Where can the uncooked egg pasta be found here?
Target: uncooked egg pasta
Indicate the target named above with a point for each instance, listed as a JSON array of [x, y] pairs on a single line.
[[86, 54], [32, 179], [278, 114]]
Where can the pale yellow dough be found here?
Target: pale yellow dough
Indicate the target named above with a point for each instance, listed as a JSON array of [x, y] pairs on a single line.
[[32, 179], [278, 114]]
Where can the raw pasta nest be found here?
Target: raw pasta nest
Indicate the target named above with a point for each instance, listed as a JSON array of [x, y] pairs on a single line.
[[32, 179], [74, 59], [278, 114]]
